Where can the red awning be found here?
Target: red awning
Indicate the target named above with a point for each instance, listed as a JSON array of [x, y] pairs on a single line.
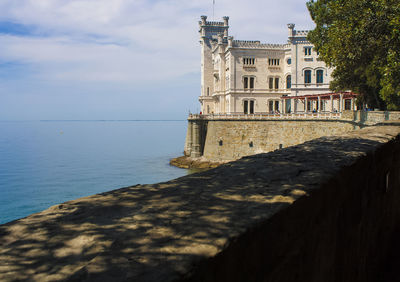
[[324, 96]]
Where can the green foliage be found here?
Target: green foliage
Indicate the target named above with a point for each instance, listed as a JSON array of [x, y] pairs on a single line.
[[361, 39]]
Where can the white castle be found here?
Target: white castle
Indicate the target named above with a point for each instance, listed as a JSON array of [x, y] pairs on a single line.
[[250, 77]]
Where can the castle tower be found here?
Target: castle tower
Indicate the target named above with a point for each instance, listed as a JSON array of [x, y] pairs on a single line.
[[291, 30], [209, 33]]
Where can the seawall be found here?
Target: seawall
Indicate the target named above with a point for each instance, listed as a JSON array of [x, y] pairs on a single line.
[[326, 210], [212, 140], [230, 140]]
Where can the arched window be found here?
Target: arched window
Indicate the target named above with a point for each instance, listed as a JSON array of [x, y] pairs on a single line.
[[289, 81], [307, 76], [320, 76]]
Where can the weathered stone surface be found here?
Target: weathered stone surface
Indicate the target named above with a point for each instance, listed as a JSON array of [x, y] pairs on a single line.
[[325, 210], [244, 138], [189, 162], [371, 117], [229, 139]]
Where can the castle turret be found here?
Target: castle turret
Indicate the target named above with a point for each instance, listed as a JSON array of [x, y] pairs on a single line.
[[203, 20], [291, 30], [226, 21], [226, 24], [212, 34]]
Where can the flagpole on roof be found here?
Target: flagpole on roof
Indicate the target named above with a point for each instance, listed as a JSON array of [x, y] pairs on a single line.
[[213, 9]]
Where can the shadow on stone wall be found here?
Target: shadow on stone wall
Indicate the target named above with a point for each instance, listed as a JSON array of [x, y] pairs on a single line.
[[319, 211], [345, 230]]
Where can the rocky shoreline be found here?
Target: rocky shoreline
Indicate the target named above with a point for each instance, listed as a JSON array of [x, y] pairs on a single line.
[[188, 162]]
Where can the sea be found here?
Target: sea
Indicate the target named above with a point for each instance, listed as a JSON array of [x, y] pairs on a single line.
[[44, 163]]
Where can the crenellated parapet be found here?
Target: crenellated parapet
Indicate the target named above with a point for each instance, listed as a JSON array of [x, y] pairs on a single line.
[[214, 23], [301, 33], [256, 44], [213, 28], [204, 22], [298, 36]]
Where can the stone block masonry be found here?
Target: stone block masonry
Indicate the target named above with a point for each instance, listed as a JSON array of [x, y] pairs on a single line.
[[195, 138], [371, 117], [231, 140], [325, 210], [217, 140]]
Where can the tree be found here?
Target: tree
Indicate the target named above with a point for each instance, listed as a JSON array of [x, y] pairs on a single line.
[[361, 40]]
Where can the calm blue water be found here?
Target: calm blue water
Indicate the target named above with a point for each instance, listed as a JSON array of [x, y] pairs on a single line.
[[50, 162]]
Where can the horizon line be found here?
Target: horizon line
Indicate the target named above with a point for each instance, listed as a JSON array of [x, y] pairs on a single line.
[[96, 120]]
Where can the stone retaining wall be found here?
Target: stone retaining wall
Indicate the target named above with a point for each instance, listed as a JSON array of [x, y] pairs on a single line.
[[217, 140], [231, 140]]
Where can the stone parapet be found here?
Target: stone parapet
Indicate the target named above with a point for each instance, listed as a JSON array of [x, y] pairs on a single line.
[[326, 210], [360, 117], [371, 117], [266, 116]]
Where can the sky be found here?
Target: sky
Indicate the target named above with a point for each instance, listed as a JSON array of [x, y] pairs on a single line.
[[119, 59]]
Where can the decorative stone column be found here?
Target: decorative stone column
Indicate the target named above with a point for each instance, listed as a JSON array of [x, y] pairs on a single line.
[[331, 103], [283, 101], [305, 105], [319, 104], [340, 103]]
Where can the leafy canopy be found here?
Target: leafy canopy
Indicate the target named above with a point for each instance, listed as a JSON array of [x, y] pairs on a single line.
[[361, 39]]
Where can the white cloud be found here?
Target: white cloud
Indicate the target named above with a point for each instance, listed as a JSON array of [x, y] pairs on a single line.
[[131, 40], [62, 58], [98, 44]]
